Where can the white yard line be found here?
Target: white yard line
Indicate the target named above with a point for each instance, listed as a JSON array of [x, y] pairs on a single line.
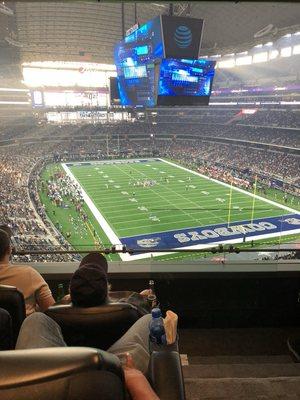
[[162, 197], [234, 188], [180, 195], [97, 214], [203, 219]]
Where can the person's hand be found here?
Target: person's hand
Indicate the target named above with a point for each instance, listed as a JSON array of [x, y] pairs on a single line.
[[136, 383], [145, 293], [130, 371], [65, 300]]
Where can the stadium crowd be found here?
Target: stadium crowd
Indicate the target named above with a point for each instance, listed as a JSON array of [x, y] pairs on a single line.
[[264, 126], [193, 144], [30, 231], [252, 115]]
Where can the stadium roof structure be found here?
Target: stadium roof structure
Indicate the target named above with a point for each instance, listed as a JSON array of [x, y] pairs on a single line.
[[87, 31]]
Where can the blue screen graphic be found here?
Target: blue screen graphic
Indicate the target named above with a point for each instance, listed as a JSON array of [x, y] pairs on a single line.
[[136, 85], [186, 77], [142, 50], [145, 77], [135, 72], [140, 47], [134, 57]]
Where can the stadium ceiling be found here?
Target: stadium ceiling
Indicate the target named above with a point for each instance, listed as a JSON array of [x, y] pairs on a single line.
[[87, 31]]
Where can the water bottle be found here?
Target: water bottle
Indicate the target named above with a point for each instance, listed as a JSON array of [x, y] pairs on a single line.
[[152, 300], [157, 329], [60, 292]]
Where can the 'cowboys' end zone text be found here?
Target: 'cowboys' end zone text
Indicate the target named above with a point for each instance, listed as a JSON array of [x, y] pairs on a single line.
[[206, 234], [214, 234]]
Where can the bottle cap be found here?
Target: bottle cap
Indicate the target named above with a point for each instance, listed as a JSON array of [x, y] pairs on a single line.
[[156, 313]]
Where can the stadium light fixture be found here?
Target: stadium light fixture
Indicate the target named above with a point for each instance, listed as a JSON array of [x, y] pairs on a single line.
[[260, 57], [273, 54], [13, 90], [296, 49], [239, 91], [82, 66], [286, 51], [230, 63], [229, 103], [15, 102], [246, 60], [295, 102], [39, 77]]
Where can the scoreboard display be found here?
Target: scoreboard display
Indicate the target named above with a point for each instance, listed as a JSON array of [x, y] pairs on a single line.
[[185, 81], [140, 47], [158, 64], [136, 85]]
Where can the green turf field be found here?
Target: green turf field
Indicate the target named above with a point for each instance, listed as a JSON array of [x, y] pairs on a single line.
[[120, 205]]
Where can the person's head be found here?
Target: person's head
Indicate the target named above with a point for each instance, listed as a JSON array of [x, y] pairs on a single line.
[[5, 248], [89, 286], [6, 229]]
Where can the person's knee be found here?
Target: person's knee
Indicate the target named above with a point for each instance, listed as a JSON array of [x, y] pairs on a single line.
[[145, 319], [35, 320]]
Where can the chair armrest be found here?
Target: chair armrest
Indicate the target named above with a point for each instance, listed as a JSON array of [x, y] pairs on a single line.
[[7, 287], [165, 375], [27, 367]]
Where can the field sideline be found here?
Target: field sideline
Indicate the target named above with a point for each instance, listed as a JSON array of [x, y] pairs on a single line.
[[154, 203]]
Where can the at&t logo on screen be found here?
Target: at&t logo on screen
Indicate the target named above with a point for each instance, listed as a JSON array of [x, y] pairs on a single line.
[[183, 36]]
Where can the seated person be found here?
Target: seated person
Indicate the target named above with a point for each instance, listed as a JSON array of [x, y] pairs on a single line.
[[40, 331], [27, 280], [89, 286]]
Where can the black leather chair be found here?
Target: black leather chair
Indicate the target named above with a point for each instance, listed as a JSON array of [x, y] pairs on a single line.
[[13, 301], [165, 375], [81, 374], [6, 333], [60, 374], [96, 327]]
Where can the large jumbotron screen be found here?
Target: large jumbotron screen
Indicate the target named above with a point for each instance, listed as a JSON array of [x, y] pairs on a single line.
[[148, 72], [190, 81]]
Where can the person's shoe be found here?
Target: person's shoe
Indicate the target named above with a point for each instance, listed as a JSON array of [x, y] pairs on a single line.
[[294, 348]]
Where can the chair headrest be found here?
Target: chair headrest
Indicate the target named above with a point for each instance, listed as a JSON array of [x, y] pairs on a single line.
[[23, 367], [8, 287], [103, 309]]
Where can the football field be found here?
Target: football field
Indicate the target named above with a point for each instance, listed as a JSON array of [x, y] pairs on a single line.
[[157, 204]]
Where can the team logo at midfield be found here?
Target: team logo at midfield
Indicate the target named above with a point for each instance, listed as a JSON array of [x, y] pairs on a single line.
[[153, 242], [292, 221], [183, 36]]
